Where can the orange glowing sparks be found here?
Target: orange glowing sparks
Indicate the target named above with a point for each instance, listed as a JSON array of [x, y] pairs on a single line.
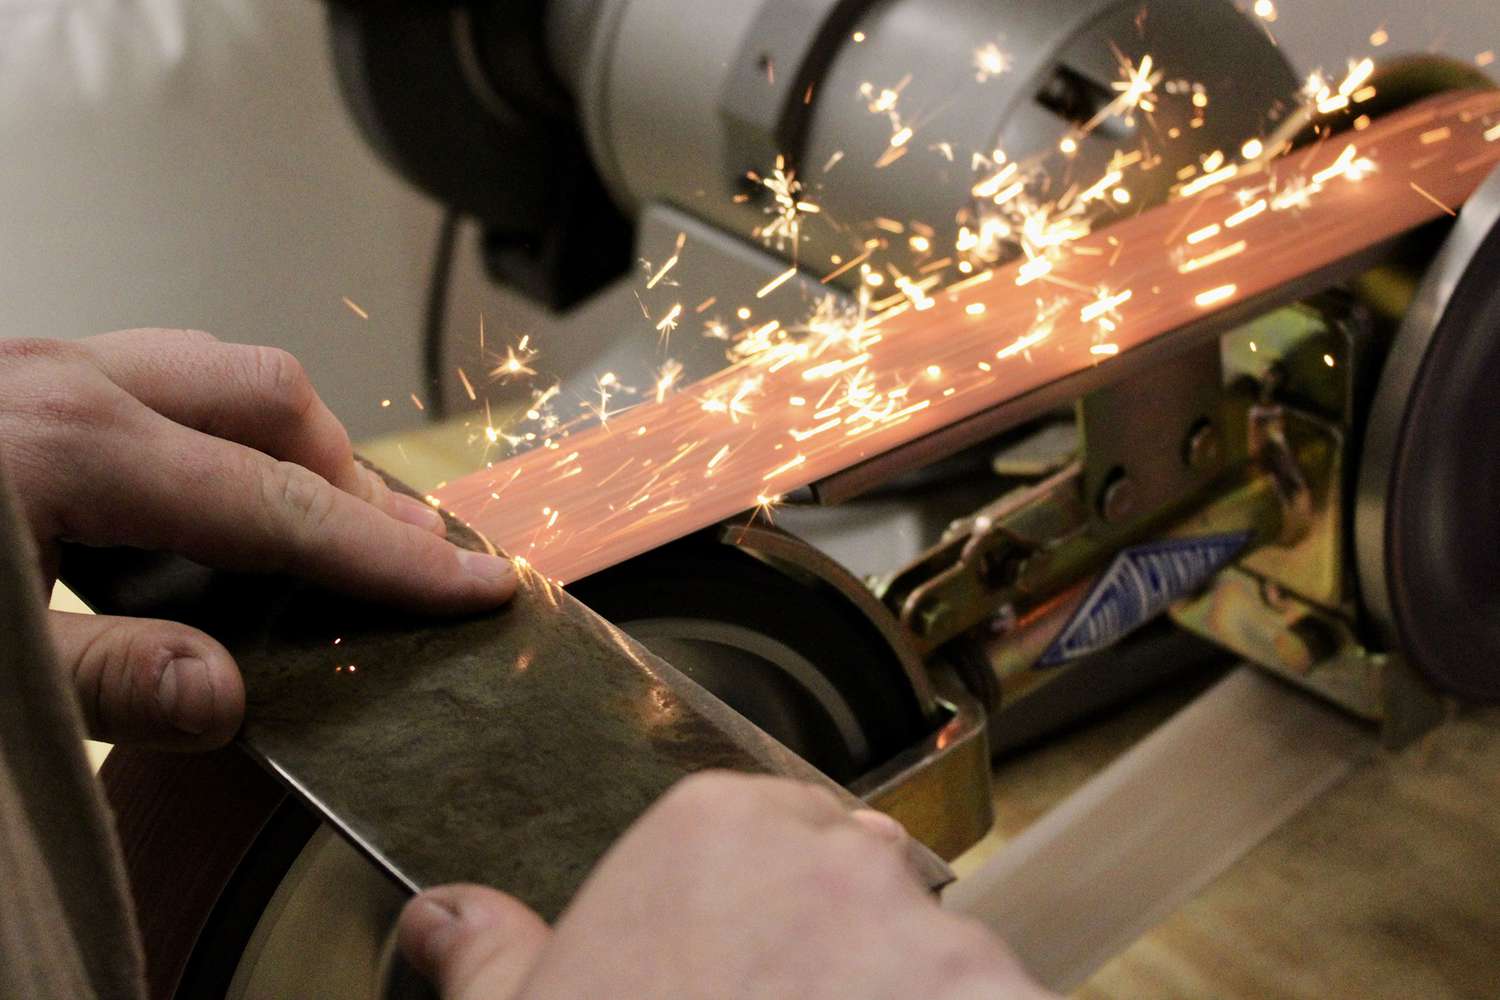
[[1208, 180], [785, 467], [1432, 198], [1245, 214], [1328, 100], [991, 185], [1136, 87], [1348, 165], [806, 398], [776, 282], [606, 386], [1214, 296], [670, 263], [667, 378], [468, 386], [668, 323], [516, 363], [1210, 259], [1024, 343], [1206, 233], [990, 61], [1036, 267], [787, 208], [1104, 304]]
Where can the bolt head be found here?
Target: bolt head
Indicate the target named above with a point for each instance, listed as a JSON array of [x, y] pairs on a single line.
[[1001, 567], [1117, 503], [930, 615], [1203, 449]]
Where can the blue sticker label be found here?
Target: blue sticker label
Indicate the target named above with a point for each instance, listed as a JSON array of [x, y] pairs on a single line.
[[1139, 585]]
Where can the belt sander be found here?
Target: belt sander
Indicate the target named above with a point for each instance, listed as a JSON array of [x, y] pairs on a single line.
[[953, 368]]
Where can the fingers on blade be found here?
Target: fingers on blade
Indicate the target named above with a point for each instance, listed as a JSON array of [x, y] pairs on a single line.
[[260, 397], [227, 505]]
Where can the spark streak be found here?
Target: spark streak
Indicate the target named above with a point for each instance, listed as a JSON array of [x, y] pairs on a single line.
[[1210, 259], [670, 263], [1430, 197], [1210, 180], [1245, 214], [668, 323], [1024, 344], [784, 468], [1104, 305], [1214, 296], [776, 282], [515, 363], [468, 386]]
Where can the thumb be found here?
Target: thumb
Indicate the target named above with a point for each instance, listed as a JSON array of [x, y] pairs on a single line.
[[474, 943], [140, 680]]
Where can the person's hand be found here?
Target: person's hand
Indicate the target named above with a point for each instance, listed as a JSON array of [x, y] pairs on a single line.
[[729, 887], [171, 440]]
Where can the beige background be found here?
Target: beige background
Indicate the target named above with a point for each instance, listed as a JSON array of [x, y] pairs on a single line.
[[190, 163]]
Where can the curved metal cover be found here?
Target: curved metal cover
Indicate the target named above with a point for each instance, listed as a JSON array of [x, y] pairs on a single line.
[[1427, 517]]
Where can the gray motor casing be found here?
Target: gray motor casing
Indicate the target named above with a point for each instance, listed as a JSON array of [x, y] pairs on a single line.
[[666, 93]]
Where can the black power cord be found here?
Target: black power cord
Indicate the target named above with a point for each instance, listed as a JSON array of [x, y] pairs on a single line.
[[435, 317]]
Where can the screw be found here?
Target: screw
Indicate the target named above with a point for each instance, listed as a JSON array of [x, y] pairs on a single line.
[[1001, 567], [930, 615], [1201, 451], [1002, 621], [1117, 500], [1314, 641], [1271, 595]]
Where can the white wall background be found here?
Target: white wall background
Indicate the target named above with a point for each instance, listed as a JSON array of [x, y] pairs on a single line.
[[1327, 32], [190, 163]]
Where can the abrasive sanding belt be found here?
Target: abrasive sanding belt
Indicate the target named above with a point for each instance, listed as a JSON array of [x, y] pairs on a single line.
[[751, 433]]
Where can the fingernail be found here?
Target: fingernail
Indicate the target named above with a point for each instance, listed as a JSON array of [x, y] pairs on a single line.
[[414, 511], [430, 924], [437, 910], [483, 566], [174, 694]]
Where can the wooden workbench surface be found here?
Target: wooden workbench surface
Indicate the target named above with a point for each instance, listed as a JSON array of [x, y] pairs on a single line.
[[1388, 886]]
